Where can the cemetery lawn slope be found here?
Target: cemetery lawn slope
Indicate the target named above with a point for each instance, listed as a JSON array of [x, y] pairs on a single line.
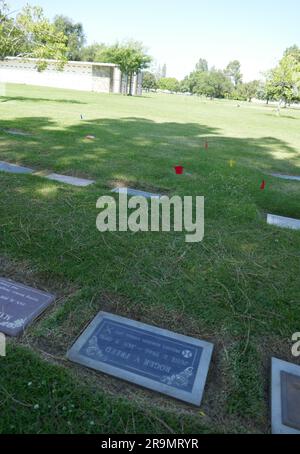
[[239, 288]]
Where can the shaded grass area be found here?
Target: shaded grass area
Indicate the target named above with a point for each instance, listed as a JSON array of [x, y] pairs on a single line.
[[238, 288]]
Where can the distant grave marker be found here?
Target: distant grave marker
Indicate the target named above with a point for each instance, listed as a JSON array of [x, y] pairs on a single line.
[[13, 168], [157, 359], [70, 180], [20, 305], [286, 177], [137, 193], [285, 397], [283, 222], [17, 132]]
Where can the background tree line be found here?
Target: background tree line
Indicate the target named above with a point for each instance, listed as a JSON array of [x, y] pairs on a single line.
[[29, 33], [279, 84]]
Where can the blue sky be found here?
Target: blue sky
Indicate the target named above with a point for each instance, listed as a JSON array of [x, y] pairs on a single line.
[[179, 32]]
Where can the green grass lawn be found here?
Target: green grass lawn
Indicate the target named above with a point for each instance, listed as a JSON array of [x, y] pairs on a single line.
[[239, 288]]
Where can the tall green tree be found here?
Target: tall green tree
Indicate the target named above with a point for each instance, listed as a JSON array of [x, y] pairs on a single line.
[[246, 91], [191, 83], [131, 58], [169, 83], [266, 90], [74, 33], [31, 35], [284, 81], [202, 65], [185, 85], [233, 71], [214, 84], [294, 51], [93, 52], [149, 81], [9, 34]]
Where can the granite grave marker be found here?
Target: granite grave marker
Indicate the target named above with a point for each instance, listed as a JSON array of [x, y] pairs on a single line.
[[157, 359], [286, 177], [13, 168], [74, 181], [16, 132], [136, 193], [20, 305], [283, 222], [285, 397]]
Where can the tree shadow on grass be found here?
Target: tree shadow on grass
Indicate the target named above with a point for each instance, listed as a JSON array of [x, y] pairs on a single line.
[[141, 153], [4, 99], [136, 144], [30, 126], [275, 115]]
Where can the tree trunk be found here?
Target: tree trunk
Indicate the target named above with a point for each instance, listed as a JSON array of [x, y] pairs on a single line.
[[130, 84]]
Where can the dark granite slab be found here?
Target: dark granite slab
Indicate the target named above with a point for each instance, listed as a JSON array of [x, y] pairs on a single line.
[[283, 222], [13, 168], [137, 193], [285, 397], [20, 305], [157, 359], [74, 181]]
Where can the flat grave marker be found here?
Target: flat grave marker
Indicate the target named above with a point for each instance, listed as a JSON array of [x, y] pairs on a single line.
[[286, 177], [2, 345], [20, 305], [151, 357], [285, 397], [283, 222], [137, 193], [16, 132], [74, 181], [13, 168]]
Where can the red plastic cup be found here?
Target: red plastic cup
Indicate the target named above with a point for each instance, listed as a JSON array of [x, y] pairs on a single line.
[[179, 170]]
